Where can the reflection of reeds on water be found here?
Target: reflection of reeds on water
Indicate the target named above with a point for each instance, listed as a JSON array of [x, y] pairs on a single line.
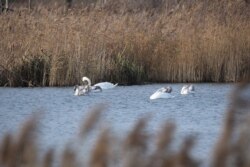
[[232, 147]]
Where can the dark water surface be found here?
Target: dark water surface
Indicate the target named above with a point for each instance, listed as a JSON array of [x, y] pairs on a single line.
[[200, 114]]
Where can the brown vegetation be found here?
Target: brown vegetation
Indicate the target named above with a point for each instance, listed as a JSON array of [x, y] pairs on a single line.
[[232, 148], [129, 42]]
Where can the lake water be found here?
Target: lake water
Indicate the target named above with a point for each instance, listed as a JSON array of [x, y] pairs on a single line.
[[200, 114]]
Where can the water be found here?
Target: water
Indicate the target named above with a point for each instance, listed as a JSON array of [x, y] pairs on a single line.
[[200, 114]]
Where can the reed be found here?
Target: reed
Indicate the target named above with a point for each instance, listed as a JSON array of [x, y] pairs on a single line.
[[128, 42]]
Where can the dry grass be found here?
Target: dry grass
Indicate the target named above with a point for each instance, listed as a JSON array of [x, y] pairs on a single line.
[[126, 42], [232, 148]]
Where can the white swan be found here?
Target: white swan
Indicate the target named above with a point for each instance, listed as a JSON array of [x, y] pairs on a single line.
[[106, 85], [186, 89], [164, 92], [80, 90], [102, 85], [84, 90]]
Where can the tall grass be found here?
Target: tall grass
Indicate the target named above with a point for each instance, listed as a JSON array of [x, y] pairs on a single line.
[[136, 147], [129, 42]]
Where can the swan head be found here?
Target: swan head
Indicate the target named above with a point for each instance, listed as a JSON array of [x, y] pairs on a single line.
[[191, 88], [86, 79], [97, 88], [75, 87], [168, 89], [76, 90]]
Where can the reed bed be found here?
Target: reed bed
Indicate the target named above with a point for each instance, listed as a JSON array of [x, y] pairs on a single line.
[[128, 42], [136, 147]]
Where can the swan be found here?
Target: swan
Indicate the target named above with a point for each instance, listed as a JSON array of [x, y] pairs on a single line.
[[80, 90], [106, 85], [84, 90], [163, 93], [102, 85], [186, 89]]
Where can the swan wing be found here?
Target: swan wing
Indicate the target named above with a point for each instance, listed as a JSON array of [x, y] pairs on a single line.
[[76, 93], [184, 90]]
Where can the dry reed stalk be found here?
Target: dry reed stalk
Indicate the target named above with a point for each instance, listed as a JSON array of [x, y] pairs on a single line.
[[21, 150], [91, 120], [100, 155], [135, 145], [242, 146], [223, 146], [227, 149], [25, 150], [163, 142], [183, 157], [196, 42], [137, 137], [69, 158], [165, 137], [6, 150], [48, 158]]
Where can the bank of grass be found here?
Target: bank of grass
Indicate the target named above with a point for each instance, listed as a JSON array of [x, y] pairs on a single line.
[[138, 148], [202, 41]]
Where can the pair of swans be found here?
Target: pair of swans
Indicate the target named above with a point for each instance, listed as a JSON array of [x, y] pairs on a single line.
[[87, 88], [165, 92]]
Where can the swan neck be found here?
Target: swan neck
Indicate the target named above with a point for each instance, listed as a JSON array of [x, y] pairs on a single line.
[[89, 82]]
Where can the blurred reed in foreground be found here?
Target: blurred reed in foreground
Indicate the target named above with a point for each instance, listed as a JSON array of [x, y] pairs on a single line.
[[232, 148], [129, 42]]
